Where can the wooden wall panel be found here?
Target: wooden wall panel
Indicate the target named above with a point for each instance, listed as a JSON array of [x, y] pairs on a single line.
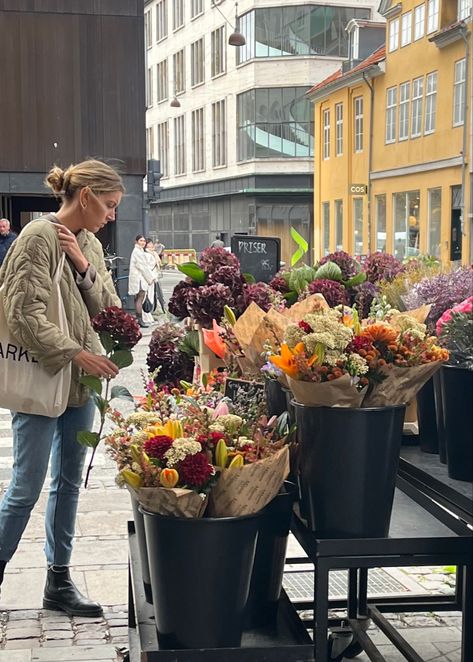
[[76, 80]]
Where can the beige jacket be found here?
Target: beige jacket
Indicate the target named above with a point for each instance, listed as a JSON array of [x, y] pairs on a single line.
[[27, 275]]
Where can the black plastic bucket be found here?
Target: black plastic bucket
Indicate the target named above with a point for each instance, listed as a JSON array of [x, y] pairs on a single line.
[[348, 460], [426, 418], [200, 576], [440, 416], [268, 569], [275, 398], [141, 538], [457, 397], [290, 405]]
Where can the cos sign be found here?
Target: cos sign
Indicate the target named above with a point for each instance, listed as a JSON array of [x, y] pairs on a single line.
[[358, 189]]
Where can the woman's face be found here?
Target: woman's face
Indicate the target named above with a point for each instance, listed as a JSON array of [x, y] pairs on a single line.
[[150, 246], [99, 208], [141, 242]]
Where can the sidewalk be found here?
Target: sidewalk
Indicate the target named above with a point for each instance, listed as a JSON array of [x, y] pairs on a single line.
[[99, 566]]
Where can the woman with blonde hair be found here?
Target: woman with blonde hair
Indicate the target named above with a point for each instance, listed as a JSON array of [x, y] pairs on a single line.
[[90, 193]]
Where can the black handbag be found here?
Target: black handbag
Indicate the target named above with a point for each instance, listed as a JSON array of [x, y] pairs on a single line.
[[148, 306]]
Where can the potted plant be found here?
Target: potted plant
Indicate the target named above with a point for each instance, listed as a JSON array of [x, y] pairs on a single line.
[[455, 331]]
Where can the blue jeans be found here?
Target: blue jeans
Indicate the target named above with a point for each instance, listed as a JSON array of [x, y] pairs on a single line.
[[35, 440]]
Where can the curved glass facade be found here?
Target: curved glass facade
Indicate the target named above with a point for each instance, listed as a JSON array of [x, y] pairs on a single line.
[[274, 122], [298, 30]]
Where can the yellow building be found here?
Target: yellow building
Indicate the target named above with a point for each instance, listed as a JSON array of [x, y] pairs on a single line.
[[394, 142]]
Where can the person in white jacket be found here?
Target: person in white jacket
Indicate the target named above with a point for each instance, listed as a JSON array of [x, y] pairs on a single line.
[[140, 277]]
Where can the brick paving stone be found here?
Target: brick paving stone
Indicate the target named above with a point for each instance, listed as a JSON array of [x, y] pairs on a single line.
[[87, 634], [15, 656], [23, 615], [83, 653], [22, 643], [117, 631], [14, 625], [58, 634], [55, 643], [79, 620], [24, 633]]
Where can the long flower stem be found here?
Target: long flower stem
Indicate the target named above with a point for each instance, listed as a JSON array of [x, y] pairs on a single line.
[[102, 423]]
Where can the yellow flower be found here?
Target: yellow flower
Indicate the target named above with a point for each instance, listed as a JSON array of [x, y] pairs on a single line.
[[131, 478], [168, 478], [171, 429]]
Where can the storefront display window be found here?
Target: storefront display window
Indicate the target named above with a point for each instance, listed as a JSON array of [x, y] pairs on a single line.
[[406, 209]]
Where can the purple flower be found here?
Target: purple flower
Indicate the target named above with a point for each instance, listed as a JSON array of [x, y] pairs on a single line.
[[443, 291], [381, 266], [261, 293], [348, 265], [279, 284], [230, 277], [164, 353], [206, 303], [213, 258], [333, 292], [122, 327], [178, 301], [362, 297]]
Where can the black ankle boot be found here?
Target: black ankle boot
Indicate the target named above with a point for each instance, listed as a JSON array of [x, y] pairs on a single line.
[[61, 594]]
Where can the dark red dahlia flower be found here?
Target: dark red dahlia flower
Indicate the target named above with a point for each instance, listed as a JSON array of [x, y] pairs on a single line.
[[305, 327], [195, 470], [122, 327], [333, 291], [157, 446]]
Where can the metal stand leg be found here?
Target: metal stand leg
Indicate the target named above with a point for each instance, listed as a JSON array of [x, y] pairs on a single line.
[[353, 593], [131, 601], [321, 611], [467, 614], [363, 592]]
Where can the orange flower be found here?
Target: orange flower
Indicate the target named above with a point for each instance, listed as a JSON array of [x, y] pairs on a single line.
[[213, 339], [286, 361], [380, 332]]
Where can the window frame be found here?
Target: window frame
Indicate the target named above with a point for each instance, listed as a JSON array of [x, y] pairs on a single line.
[[430, 108], [433, 15], [463, 10], [150, 87], [378, 198], [181, 69], [148, 17], [180, 146], [162, 84], [162, 20], [419, 25], [338, 207], [178, 13], [162, 147], [393, 41], [196, 13], [197, 61], [417, 107], [406, 30], [219, 134], [326, 134], [198, 139], [325, 226], [339, 129], [404, 114], [436, 241], [391, 112], [215, 46], [358, 123], [459, 90]]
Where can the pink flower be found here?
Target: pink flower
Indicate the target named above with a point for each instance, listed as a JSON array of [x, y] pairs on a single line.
[[465, 306], [220, 410]]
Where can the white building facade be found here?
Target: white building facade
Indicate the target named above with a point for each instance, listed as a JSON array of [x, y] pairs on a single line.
[[236, 151]]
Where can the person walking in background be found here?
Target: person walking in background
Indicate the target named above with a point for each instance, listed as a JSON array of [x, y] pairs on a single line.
[[218, 243], [156, 266], [90, 193], [140, 277], [7, 237]]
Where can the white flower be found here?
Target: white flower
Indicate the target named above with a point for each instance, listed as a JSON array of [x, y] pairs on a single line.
[[139, 438], [141, 419], [180, 449]]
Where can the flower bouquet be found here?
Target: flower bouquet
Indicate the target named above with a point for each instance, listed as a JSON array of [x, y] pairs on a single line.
[[321, 362]]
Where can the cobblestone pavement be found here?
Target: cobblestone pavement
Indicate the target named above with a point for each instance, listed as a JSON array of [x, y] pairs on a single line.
[[99, 567]]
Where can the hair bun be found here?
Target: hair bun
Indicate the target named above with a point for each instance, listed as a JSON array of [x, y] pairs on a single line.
[[55, 179]]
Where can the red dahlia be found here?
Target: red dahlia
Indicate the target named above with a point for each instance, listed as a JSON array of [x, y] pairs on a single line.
[[195, 470], [157, 446]]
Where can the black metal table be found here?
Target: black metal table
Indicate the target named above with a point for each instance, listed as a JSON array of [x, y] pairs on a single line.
[[422, 533]]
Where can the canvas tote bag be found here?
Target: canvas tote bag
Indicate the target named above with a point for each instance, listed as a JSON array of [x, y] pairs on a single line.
[[25, 386]]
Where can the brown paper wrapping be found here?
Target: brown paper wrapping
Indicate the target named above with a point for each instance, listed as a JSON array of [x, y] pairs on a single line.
[[246, 324], [282, 379], [419, 314], [337, 393], [176, 501], [302, 308], [248, 489], [401, 384]]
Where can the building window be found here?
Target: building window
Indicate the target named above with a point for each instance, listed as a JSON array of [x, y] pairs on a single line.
[[177, 14], [219, 50], [162, 71], [339, 129], [326, 134], [161, 20], [355, 43], [459, 90], [297, 30], [430, 102], [219, 134], [358, 113], [358, 226], [198, 145], [381, 222], [150, 142], [163, 147], [179, 72], [432, 15], [434, 227], [326, 227], [197, 7], [149, 88], [391, 101], [338, 225], [179, 145], [406, 28], [464, 9], [148, 28], [419, 22], [406, 207], [197, 62], [404, 97], [275, 122], [417, 97], [393, 35]]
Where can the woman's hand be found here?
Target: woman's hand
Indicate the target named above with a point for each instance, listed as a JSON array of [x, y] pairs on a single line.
[[96, 365], [68, 243]]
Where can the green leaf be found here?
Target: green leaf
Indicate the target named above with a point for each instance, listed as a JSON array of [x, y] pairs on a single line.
[[229, 315], [190, 343], [355, 280], [249, 278], [291, 297], [122, 393], [94, 383], [100, 403], [302, 244], [193, 270], [329, 270], [299, 278], [122, 358], [107, 341], [205, 379], [185, 385], [90, 439]]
